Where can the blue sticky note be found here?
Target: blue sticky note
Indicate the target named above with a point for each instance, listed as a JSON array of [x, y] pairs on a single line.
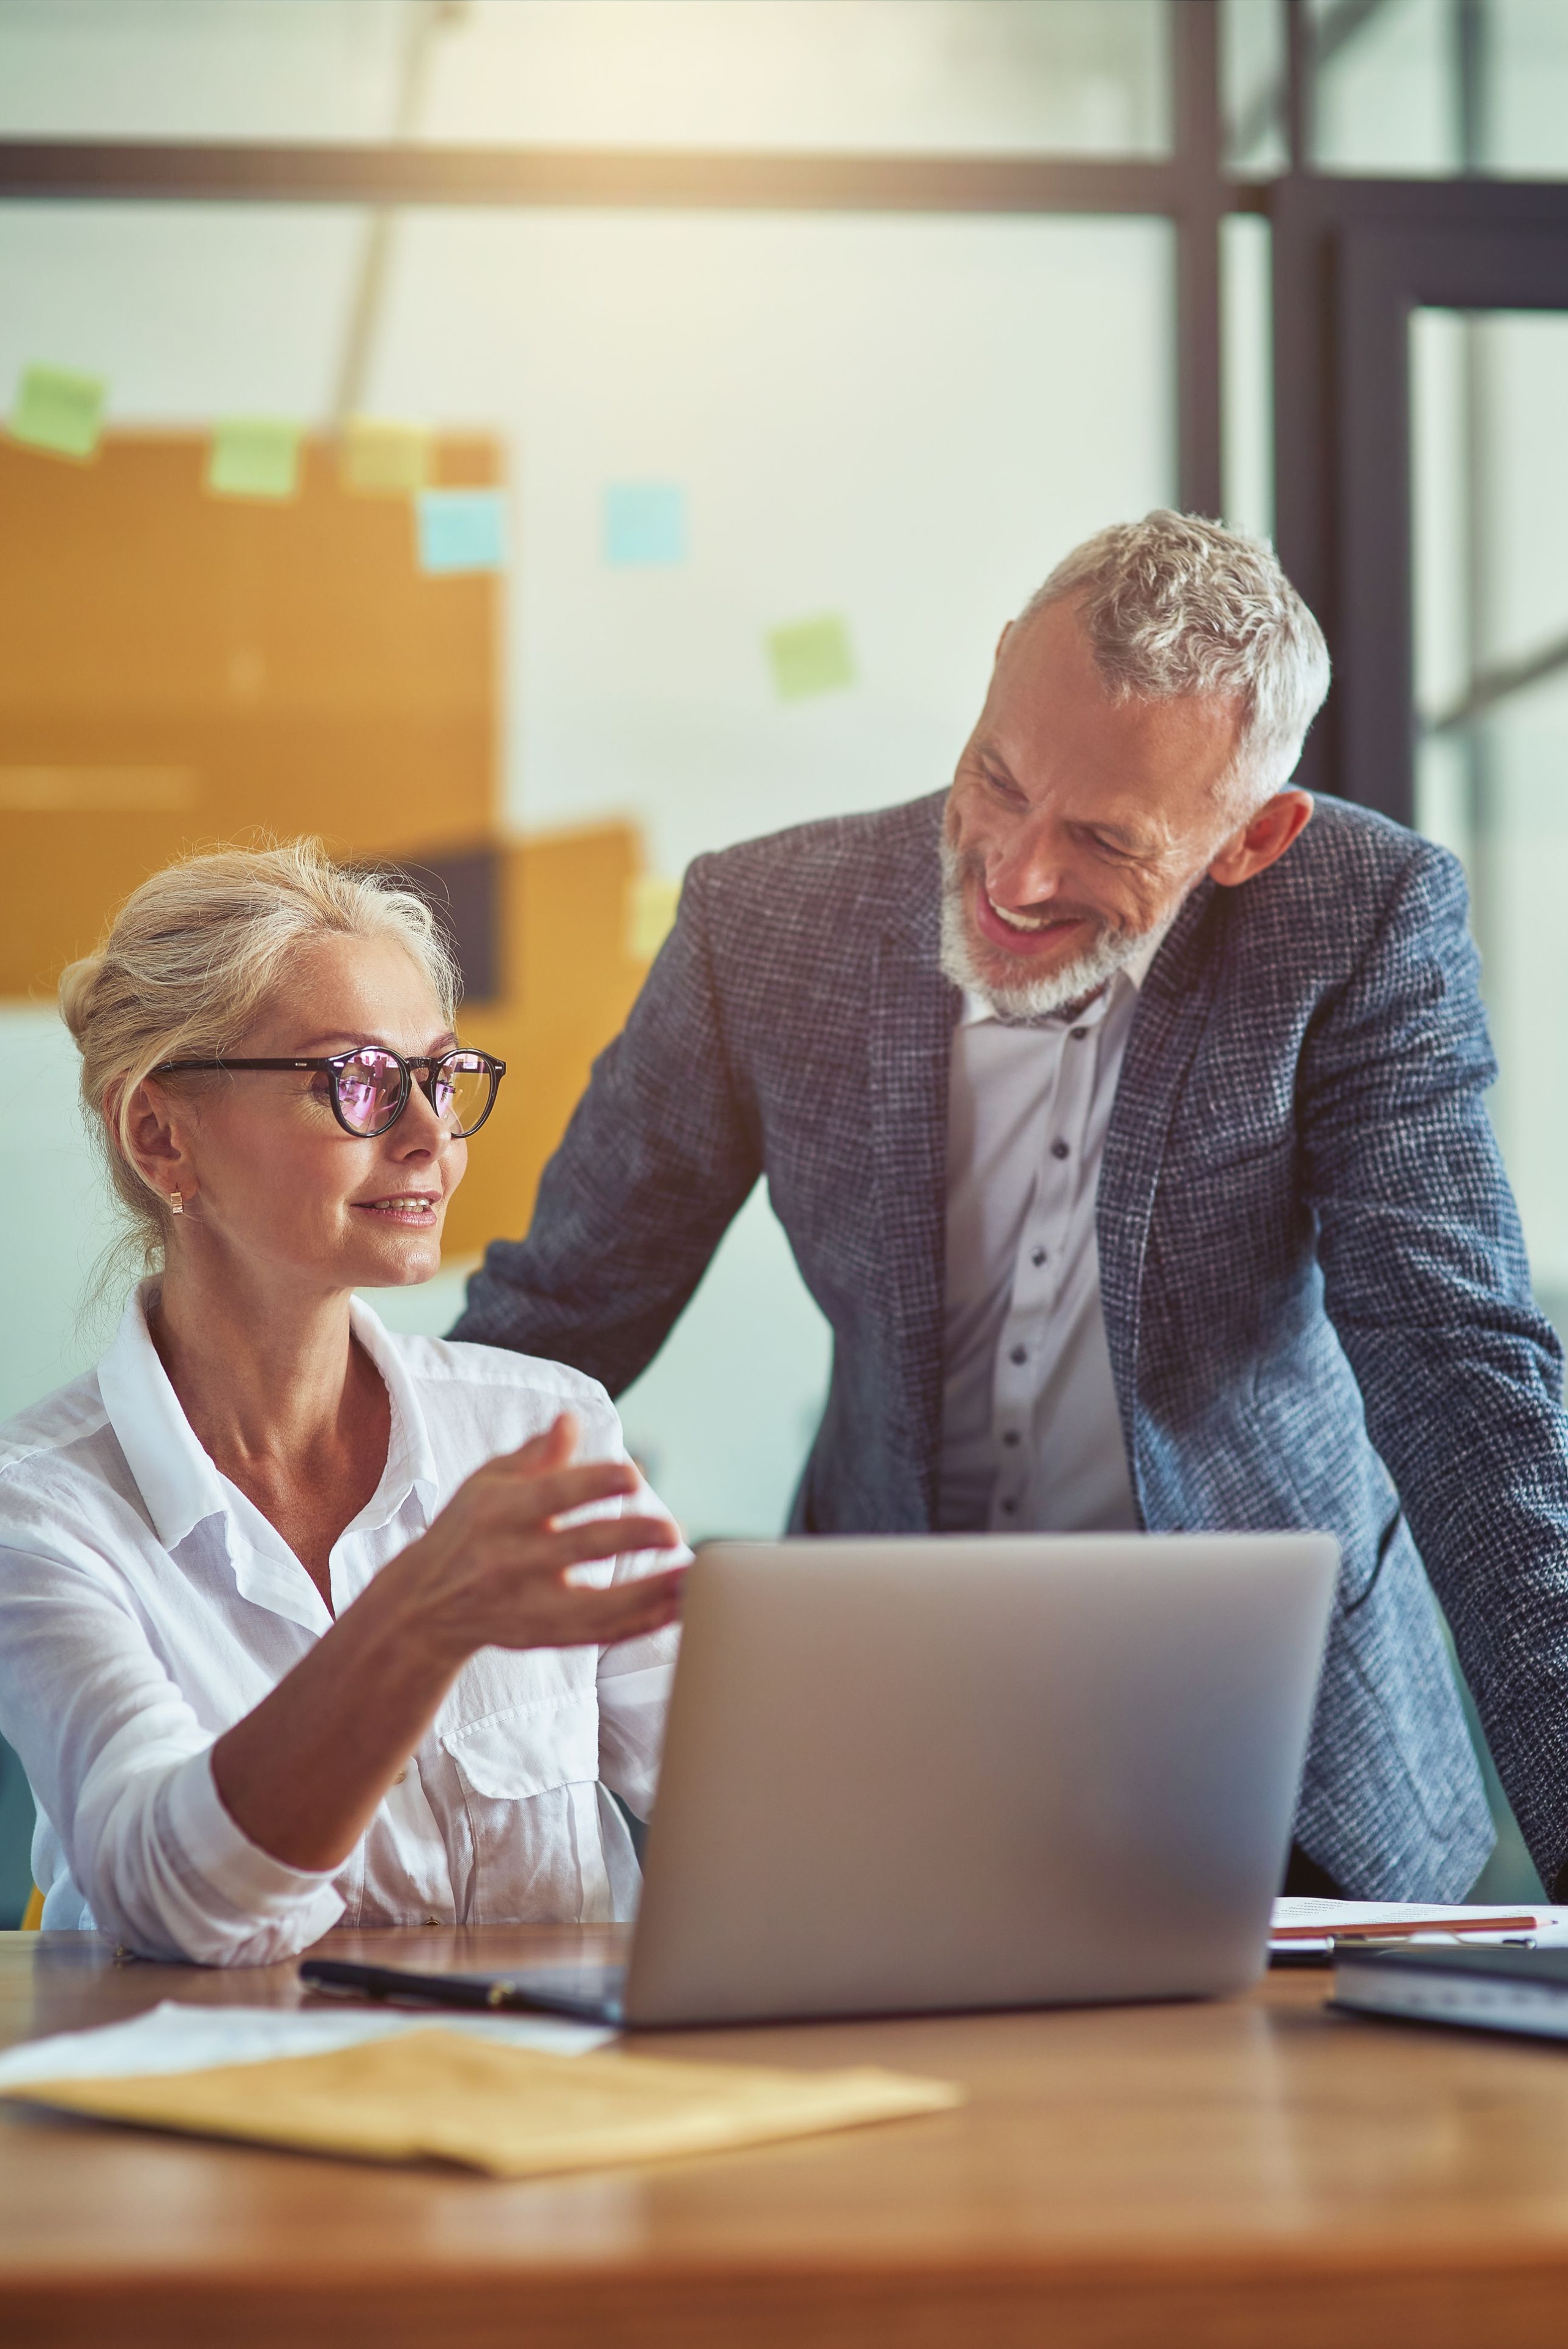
[[461, 530], [645, 523]]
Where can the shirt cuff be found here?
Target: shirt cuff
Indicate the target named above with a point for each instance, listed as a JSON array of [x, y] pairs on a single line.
[[215, 1848]]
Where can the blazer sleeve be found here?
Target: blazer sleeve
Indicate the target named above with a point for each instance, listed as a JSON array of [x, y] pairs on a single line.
[[1427, 1283], [658, 1159]]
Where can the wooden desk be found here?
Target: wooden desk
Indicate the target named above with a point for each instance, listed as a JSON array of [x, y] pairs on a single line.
[[1250, 2172]]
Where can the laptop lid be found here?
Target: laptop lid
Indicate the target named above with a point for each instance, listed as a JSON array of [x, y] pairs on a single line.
[[922, 1773]]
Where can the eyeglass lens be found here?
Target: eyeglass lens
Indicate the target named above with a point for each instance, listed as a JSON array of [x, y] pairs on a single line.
[[371, 1087], [370, 1090], [461, 1089]]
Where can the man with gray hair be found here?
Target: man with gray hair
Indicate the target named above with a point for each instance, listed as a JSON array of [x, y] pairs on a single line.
[[1122, 1108]]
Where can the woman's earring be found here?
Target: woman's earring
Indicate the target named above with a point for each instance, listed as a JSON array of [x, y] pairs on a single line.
[[176, 1203]]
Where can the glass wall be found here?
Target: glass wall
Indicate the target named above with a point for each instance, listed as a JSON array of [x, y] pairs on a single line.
[[1491, 639], [1072, 77], [886, 429], [1411, 88], [759, 491], [1491, 681]]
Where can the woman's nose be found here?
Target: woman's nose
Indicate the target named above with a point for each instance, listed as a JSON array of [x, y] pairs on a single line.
[[420, 1126]]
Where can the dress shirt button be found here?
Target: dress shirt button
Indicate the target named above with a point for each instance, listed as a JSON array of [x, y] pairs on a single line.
[[433, 1921], [1036, 1256], [1013, 1436], [1058, 1150], [1009, 1507], [1019, 1355], [1078, 1035]]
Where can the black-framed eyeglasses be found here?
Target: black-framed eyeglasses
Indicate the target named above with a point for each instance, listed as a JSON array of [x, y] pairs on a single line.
[[369, 1088]]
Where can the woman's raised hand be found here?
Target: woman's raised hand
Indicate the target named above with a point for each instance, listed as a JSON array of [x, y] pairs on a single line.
[[303, 1773], [495, 1569]]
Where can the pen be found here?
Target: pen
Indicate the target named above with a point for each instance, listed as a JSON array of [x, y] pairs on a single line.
[[1400, 1930]]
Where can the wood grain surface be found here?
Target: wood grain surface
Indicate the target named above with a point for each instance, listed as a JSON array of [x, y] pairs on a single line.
[[1247, 2171]]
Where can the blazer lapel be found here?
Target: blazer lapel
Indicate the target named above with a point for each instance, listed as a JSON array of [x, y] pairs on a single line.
[[913, 1012], [1173, 1007]]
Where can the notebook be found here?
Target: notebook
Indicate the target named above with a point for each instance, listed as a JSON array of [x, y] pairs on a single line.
[[1518, 1990]]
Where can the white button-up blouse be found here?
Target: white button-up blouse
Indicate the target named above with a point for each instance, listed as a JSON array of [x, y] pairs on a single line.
[[146, 1606]]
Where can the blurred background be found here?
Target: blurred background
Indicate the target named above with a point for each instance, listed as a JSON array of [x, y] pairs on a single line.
[[534, 441]]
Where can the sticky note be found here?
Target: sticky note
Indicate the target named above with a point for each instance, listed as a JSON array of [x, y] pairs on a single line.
[[810, 656], [59, 411], [461, 530], [379, 458], [644, 522], [253, 457], [651, 902]]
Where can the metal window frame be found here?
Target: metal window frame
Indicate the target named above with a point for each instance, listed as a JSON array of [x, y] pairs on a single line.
[[1187, 188], [1352, 259], [1346, 253]]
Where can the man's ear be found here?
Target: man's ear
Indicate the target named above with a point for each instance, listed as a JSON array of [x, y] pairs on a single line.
[[1006, 632], [1262, 839]]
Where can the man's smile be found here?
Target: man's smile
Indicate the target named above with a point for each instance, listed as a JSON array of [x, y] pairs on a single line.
[[1028, 935]]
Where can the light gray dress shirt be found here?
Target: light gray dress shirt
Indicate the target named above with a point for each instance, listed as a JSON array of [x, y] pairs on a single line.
[[1031, 1439]]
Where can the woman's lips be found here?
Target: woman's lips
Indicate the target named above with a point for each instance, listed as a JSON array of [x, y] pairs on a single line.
[[420, 1208], [1033, 943]]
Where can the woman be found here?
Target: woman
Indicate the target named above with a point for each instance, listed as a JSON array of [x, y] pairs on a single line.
[[300, 1621]]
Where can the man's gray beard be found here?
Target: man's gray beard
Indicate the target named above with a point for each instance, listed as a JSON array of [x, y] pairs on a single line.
[[1032, 998]]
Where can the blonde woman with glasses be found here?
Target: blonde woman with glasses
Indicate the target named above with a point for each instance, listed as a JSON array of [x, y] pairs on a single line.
[[301, 1623]]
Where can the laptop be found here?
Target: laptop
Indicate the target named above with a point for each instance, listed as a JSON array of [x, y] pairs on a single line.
[[909, 1775]]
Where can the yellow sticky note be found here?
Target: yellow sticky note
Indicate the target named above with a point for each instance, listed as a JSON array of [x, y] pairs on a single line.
[[253, 457], [651, 902], [509, 2110], [59, 411], [811, 656], [379, 458]]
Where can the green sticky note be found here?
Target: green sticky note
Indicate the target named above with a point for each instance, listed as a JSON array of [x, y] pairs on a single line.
[[811, 656], [253, 457], [59, 411]]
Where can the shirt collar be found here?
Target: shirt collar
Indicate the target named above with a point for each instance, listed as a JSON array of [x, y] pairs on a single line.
[[178, 1480], [174, 1476], [411, 1456], [1134, 971]]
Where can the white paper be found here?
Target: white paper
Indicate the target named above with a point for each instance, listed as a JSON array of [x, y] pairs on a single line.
[[1549, 1925], [178, 2038]]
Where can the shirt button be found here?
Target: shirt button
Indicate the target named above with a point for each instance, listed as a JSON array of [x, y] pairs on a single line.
[[1036, 1256], [1019, 1355], [1013, 1436], [1009, 1508], [433, 1921], [1058, 1150], [1079, 1034]]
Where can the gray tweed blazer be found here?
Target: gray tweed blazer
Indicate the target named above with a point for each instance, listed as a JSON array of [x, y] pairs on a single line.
[[1315, 1282]]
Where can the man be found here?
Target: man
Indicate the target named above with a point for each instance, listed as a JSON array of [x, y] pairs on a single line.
[[1124, 1111]]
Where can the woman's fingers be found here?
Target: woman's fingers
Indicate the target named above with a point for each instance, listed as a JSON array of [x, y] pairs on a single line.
[[534, 1500], [565, 1615], [553, 1449], [496, 1566], [605, 1538]]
